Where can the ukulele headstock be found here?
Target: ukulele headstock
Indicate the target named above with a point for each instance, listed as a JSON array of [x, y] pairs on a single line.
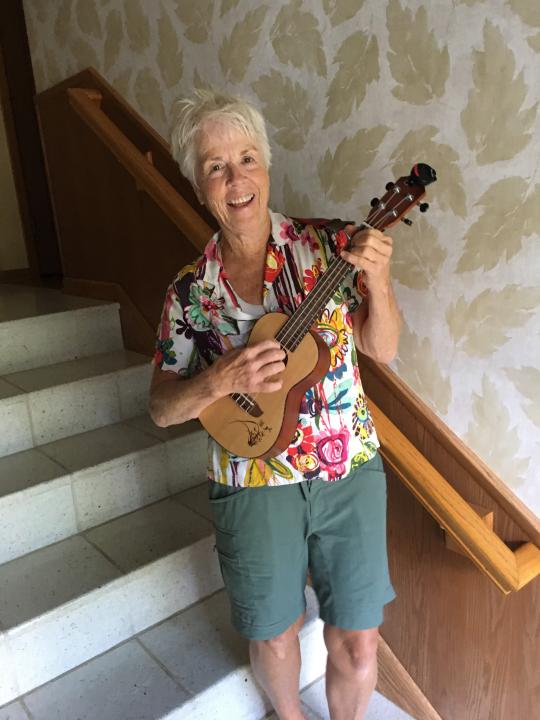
[[400, 197]]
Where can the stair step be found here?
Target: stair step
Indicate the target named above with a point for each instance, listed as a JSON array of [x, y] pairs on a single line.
[[42, 327], [7, 390], [52, 376], [15, 711], [379, 707], [187, 448], [216, 670], [64, 604], [62, 488], [193, 666], [18, 302], [53, 402]]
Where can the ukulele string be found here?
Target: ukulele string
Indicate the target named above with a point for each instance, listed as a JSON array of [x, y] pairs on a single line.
[[294, 330], [295, 326], [404, 199]]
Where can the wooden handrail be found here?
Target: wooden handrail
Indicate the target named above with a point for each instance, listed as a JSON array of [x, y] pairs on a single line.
[[87, 104], [507, 569]]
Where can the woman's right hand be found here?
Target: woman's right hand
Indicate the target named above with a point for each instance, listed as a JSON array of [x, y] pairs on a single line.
[[251, 369]]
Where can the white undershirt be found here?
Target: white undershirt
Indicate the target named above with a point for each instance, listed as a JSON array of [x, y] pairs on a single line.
[[253, 313]]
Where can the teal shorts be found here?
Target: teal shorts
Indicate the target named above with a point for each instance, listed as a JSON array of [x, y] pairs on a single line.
[[268, 537]]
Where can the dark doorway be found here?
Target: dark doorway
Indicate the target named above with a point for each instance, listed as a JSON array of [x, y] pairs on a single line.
[[17, 91]]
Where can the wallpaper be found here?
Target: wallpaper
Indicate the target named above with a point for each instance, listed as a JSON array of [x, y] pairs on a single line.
[[354, 93]]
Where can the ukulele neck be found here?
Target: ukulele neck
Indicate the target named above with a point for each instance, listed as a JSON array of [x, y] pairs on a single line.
[[296, 327]]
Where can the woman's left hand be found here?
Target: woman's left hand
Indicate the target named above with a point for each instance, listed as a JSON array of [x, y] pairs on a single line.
[[370, 251]]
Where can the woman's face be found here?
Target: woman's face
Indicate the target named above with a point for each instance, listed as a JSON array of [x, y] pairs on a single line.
[[233, 180]]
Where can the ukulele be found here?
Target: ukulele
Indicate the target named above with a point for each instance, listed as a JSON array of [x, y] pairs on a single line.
[[263, 424]]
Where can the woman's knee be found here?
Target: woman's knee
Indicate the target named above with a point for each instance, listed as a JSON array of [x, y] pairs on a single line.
[[280, 645], [352, 651]]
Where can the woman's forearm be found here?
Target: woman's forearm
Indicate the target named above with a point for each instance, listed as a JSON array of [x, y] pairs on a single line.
[[177, 400], [256, 368], [376, 333]]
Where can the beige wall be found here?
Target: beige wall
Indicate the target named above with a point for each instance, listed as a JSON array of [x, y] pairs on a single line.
[[356, 91], [12, 246]]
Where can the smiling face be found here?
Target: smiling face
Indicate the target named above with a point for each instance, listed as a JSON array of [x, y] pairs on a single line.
[[233, 180]]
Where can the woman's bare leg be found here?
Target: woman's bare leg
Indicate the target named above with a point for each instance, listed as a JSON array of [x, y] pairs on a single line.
[[276, 665], [351, 671]]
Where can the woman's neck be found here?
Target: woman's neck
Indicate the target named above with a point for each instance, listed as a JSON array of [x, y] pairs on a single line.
[[244, 260], [247, 245]]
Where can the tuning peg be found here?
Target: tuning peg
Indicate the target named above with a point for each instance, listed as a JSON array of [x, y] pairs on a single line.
[[374, 202], [389, 185], [406, 221], [423, 207]]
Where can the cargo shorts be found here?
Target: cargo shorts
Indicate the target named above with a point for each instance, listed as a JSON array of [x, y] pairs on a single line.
[[267, 537]]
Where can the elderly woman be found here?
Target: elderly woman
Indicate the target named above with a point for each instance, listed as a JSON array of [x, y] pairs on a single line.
[[320, 504]]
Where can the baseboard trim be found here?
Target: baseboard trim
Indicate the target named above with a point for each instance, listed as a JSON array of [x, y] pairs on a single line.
[[137, 332], [23, 276], [395, 683]]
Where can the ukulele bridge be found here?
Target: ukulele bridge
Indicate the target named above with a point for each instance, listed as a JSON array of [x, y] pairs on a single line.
[[247, 403]]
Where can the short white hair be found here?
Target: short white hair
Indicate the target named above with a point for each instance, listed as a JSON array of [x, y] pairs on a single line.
[[190, 115]]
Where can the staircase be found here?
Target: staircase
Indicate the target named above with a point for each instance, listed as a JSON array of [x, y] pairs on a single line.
[[111, 599]]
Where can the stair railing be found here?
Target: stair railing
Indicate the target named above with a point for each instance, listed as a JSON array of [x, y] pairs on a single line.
[[509, 570], [87, 104]]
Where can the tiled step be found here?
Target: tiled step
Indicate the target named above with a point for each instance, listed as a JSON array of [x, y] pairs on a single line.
[[48, 403], [67, 603], [379, 708], [14, 711], [193, 666], [27, 301], [42, 327], [59, 489]]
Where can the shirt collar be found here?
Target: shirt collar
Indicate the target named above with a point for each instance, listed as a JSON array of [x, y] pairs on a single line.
[[278, 231], [279, 228]]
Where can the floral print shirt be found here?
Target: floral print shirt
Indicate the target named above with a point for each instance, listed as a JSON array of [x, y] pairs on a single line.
[[203, 318]]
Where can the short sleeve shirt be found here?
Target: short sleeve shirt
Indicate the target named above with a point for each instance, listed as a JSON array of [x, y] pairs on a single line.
[[203, 318]]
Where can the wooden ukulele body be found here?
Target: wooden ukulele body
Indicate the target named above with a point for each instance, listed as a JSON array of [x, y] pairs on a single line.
[[270, 432]]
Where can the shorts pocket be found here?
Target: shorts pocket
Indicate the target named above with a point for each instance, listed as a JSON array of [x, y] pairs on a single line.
[[226, 546], [228, 506], [219, 493]]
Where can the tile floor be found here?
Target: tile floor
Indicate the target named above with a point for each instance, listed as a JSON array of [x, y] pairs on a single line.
[[379, 708]]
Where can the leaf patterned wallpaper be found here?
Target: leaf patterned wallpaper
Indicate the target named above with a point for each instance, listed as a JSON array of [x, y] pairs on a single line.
[[355, 92]]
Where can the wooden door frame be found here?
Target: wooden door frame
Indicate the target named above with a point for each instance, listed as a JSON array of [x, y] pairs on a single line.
[[17, 93]]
